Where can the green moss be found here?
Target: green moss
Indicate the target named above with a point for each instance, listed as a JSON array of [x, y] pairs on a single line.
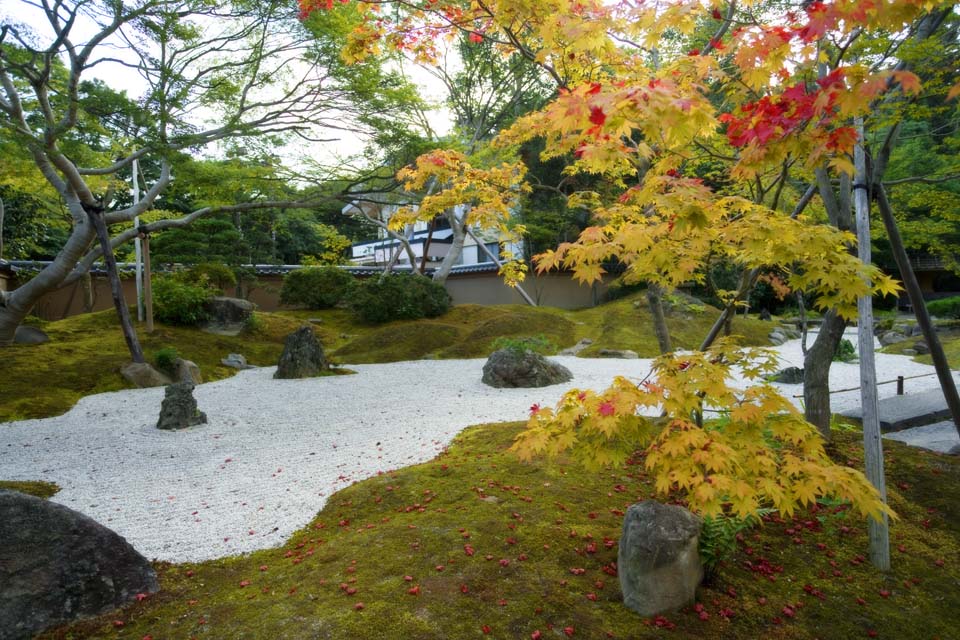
[[543, 518], [399, 341], [36, 488]]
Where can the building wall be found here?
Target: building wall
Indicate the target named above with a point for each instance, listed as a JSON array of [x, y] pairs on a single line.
[[555, 290], [552, 290]]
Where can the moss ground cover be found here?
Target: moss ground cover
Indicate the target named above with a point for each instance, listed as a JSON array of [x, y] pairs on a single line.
[[85, 352], [475, 544]]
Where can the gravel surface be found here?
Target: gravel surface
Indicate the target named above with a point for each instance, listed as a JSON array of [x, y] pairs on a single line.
[[275, 450]]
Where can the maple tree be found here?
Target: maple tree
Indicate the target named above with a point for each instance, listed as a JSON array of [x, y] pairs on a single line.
[[772, 96]]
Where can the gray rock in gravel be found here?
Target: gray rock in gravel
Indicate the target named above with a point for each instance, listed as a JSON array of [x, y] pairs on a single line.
[[187, 371], [777, 337], [302, 355], [658, 561], [236, 361], [624, 354], [790, 375], [513, 368], [29, 335], [179, 408], [57, 565], [143, 375]]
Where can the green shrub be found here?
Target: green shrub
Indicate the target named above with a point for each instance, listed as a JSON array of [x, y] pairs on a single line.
[[398, 297], [945, 307], [845, 352], [178, 302], [165, 360], [316, 287], [538, 344], [211, 273]]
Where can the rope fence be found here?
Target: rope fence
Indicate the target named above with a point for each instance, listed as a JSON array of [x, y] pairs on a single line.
[[899, 380]]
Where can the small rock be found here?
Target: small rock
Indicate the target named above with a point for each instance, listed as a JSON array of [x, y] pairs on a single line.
[[625, 354], [302, 355], [179, 408], [577, 348], [514, 368], [777, 337], [315, 320], [658, 562], [765, 315], [790, 375], [187, 371], [921, 347], [909, 352], [143, 375], [236, 361], [29, 335]]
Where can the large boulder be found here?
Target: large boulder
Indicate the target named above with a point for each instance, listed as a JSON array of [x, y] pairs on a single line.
[[228, 311], [29, 335], [512, 368], [143, 375], [179, 408], [891, 337], [57, 565], [302, 355], [658, 562]]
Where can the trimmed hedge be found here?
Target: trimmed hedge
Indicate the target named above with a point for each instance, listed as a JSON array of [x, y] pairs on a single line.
[[178, 302], [398, 297], [945, 307], [316, 287]]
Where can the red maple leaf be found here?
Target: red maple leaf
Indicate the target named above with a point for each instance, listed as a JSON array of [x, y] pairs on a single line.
[[597, 116]]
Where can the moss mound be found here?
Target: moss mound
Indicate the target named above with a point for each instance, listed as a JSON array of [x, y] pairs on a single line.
[[476, 539], [399, 341]]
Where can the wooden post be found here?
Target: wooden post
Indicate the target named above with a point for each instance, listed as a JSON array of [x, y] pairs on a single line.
[[878, 531], [899, 385], [147, 284]]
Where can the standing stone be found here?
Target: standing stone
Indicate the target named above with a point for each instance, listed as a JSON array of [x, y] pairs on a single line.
[[515, 368], [765, 315], [658, 562], [179, 408], [302, 355], [57, 565]]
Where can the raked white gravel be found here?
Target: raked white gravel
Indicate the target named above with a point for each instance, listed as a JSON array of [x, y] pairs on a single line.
[[275, 450]]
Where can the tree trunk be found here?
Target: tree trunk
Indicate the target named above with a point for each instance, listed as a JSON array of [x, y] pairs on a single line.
[[16, 304], [919, 308], [129, 334], [816, 372], [654, 299], [456, 248]]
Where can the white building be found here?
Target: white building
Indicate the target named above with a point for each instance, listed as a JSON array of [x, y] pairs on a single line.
[[436, 244]]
